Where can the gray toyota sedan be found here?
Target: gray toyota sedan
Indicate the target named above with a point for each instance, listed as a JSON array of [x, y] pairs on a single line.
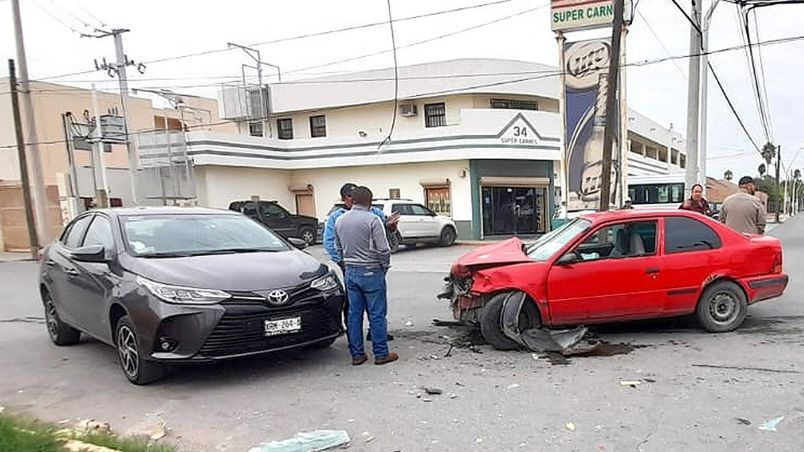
[[176, 285]]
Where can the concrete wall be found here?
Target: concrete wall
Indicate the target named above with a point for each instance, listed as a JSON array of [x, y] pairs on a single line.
[[380, 179], [219, 185]]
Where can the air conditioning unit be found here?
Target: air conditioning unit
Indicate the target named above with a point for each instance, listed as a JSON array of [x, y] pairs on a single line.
[[408, 110]]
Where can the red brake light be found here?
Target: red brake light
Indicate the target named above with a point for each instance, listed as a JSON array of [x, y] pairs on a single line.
[[777, 263]]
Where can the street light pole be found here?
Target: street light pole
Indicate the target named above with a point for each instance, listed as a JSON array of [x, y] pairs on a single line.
[[693, 97], [704, 91]]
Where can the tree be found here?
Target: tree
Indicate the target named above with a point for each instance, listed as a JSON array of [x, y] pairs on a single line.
[[728, 175], [768, 152], [762, 169]]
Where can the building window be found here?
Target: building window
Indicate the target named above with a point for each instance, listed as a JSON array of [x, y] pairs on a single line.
[[435, 115], [255, 128], [511, 104], [318, 126], [394, 193], [674, 157], [285, 128], [438, 200], [682, 162]]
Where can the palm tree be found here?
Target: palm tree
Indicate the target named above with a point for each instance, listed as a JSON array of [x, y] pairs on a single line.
[[768, 152], [762, 169], [728, 175]]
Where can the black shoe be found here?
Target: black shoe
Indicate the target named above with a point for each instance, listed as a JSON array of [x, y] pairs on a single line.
[[390, 336]]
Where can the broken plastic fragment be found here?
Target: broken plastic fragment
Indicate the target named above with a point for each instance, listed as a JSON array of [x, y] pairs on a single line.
[[513, 386], [570, 426], [306, 442], [631, 383], [432, 391], [770, 425]]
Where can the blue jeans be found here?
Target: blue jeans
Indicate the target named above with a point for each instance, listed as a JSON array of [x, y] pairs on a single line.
[[366, 289]]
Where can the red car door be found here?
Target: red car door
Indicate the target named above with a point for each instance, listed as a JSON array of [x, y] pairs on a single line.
[[617, 276], [691, 254]]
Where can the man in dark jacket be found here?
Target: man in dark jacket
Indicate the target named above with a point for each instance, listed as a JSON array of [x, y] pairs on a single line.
[[697, 203]]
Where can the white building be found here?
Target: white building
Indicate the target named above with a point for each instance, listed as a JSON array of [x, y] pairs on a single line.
[[471, 138]]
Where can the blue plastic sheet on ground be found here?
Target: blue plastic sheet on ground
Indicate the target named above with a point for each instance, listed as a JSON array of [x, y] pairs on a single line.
[[306, 442], [770, 426]]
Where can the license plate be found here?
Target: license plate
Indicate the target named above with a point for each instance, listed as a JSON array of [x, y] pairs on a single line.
[[284, 326]]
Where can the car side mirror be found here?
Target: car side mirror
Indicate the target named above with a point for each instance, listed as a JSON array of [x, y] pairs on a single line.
[[91, 253], [298, 243], [568, 259]]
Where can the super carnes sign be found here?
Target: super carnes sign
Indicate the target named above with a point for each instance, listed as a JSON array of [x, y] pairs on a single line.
[[582, 14]]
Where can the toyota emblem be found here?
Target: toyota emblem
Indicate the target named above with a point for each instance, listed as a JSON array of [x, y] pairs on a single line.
[[278, 297]]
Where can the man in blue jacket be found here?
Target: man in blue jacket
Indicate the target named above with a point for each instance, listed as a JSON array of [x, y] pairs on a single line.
[[329, 237]]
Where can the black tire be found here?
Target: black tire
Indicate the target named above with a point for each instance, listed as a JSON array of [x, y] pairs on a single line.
[[136, 369], [323, 344], [60, 333], [308, 235], [491, 324], [448, 236], [722, 307]]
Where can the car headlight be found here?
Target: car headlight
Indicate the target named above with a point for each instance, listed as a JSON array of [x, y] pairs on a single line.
[[326, 283], [183, 295]]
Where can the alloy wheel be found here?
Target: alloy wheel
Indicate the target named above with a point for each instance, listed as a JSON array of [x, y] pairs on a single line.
[[51, 318], [307, 236], [127, 350]]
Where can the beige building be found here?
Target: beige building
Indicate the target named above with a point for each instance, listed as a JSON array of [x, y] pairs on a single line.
[[50, 102]]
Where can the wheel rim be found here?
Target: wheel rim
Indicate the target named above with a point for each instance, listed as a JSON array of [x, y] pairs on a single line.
[[307, 236], [51, 318], [127, 349], [723, 308], [449, 236]]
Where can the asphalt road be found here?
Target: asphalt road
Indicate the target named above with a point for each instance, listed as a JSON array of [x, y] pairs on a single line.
[[699, 391]]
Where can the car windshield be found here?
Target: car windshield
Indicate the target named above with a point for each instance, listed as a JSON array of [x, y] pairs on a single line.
[[549, 244], [194, 235]]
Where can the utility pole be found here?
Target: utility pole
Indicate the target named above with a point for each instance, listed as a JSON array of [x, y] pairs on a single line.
[[66, 119], [37, 180], [778, 164], [23, 161], [119, 69], [693, 97], [102, 191], [611, 104], [704, 91]]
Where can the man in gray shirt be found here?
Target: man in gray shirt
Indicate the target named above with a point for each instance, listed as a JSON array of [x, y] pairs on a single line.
[[743, 211], [361, 242]]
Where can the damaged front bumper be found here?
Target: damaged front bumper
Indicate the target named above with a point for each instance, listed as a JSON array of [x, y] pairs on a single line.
[[464, 303]]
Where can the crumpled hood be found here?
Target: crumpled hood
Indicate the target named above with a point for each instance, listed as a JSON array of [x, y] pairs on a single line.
[[232, 272], [501, 253]]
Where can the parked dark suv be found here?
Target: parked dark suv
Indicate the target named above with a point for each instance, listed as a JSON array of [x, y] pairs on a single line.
[[276, 217]]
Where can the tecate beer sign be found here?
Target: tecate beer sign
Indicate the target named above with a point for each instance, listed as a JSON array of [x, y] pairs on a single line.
[[570, 15]]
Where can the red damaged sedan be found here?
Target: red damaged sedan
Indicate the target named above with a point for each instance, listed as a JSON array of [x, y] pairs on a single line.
[[617, 266]]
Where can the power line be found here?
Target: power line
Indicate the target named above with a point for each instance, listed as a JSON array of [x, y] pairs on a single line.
[[542, 75], [396, 78], [301, 36], [763, 115], [428, 77], [659, 40], [56, 18], [764, 80], [425, 41], [733, 110]]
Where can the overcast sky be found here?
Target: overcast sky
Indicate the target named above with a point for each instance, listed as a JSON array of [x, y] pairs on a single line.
[[163, 29]]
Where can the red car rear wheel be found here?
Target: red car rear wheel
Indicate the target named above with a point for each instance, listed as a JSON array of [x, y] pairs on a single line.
[[722, 307]]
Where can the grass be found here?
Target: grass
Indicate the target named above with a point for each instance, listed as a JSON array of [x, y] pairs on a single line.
[[21, 434]]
